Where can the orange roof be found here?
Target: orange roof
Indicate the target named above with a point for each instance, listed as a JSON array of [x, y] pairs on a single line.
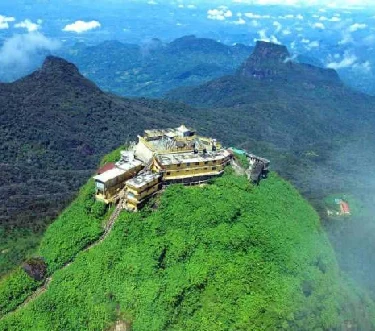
[[106, 167], [345, 207]]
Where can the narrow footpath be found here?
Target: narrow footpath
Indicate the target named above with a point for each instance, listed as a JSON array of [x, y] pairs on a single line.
[[107, 230]]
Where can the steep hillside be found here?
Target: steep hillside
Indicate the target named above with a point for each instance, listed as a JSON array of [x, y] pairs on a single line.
[[224, 256], [156, 67], [55, 125]]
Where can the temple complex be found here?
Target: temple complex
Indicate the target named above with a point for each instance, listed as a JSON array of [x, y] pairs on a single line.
[[160, 158]]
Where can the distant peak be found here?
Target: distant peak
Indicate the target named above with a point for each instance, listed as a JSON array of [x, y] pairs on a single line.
[[270, 51], [54, 64], [272, 61]]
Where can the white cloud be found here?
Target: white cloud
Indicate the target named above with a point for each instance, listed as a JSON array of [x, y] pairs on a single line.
[[356, 27], [330, 4], [28, 25], [191, 6], [82, 26], [286, 32], [369, 40], [319, 25], [256, 16], [305, 41], [240, 21], [346, 39], [289, 16], [255, 23], [366, 66], [263, 37], [278, 26], [152, 3], [4, 22], [314, 44], [18, 51], [219, 14], [349, 60], [335, 19]]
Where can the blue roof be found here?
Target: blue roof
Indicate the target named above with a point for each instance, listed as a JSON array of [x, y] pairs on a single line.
[[238, 151]]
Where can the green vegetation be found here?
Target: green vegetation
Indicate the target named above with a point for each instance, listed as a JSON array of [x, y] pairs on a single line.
[[130, 70], [78, 226], [113, 156], [15, 245], [224, 256], [14, 289], [242, 159]]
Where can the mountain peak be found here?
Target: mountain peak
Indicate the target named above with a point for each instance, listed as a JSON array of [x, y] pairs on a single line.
[[54, 64], [272, 61], [58, 73], [268, 60], [268, 50]]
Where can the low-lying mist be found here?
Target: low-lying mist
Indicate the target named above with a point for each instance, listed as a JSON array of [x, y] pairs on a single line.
[[354, 237]]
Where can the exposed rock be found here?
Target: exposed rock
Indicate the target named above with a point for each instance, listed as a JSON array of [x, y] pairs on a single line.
[[36, 268], [274, 62]]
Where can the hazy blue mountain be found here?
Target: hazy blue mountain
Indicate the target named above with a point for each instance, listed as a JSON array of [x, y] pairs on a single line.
[[154, 68]]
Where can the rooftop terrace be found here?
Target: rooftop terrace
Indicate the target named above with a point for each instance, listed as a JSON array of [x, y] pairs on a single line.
[[143, 179], [192, 157]]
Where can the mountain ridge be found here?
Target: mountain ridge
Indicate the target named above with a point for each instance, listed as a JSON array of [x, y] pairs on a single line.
[[153, 68]]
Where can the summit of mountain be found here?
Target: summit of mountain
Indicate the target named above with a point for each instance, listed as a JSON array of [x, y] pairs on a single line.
[[272, 61]]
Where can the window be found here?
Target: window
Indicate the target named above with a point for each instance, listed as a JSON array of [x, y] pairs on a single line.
[[213, 168], [206, 162], [196, 163], [205, 168], [214, 161], [188, 164], [168, 173], [179, 165]]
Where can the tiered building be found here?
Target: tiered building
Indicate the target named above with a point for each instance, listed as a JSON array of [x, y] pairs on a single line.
[[161, 157]]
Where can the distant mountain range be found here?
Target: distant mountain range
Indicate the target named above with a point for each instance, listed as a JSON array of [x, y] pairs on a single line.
[[154, 68], [293, 106]]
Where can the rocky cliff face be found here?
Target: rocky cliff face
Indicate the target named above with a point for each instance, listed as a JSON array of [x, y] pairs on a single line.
[[271, 61]]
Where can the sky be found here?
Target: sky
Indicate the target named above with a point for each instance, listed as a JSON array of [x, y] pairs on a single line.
[[340, 34]]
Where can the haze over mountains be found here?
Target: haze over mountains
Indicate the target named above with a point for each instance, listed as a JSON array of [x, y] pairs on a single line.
[[153, 68]]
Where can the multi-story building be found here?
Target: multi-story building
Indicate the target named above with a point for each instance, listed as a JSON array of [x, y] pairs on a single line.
[[140, 188], [161, 157], [109, 183]]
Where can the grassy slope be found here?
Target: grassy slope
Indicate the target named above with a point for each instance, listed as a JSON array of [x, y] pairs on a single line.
[[226, 256], [77, 226]]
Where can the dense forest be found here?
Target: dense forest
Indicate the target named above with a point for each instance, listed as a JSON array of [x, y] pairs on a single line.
[[228, 255]]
